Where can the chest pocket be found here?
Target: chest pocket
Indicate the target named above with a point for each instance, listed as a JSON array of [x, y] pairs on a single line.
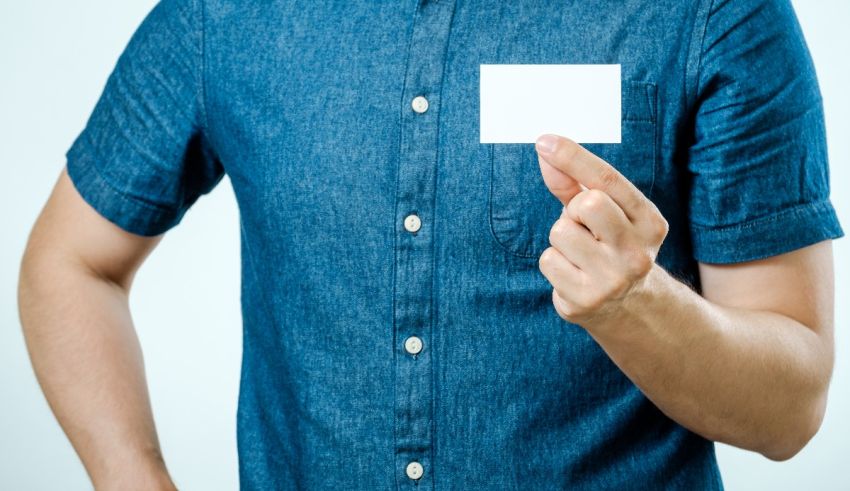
[[521, 208]]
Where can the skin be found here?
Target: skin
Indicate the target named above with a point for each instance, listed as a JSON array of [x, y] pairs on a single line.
[[748, 363], [73, 294]]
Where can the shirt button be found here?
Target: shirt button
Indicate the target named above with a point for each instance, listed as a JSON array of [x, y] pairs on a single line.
[[413, 345], [414, 470], [412, 223], [419, 104]]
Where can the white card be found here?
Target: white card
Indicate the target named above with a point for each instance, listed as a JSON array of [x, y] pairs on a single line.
[[519, 102]]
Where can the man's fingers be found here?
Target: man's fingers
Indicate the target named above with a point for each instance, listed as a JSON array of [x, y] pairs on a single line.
[[559, 270], [575, 242], [594, 173], [600, 214], [561, 185]]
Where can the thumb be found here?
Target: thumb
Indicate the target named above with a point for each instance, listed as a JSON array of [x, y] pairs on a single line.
[[560, 184]]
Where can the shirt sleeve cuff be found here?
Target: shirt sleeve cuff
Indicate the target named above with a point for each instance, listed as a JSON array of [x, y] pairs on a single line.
[[131, 213], [774, 234]]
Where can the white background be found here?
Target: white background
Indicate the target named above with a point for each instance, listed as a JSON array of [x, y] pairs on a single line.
[[54, 59]]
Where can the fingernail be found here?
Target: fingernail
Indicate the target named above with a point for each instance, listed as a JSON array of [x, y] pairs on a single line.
[[546, 143]]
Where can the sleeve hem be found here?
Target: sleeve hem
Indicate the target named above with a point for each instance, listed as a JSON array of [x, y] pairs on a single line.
[[780, 232], [122, 209]]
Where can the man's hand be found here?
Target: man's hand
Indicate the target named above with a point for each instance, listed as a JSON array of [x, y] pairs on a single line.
[[605, 242], [748, 364]]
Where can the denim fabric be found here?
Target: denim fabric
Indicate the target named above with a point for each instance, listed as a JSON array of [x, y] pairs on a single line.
[[306, 107]]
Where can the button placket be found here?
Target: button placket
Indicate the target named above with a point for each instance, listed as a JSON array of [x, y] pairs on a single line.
[[414, 245]]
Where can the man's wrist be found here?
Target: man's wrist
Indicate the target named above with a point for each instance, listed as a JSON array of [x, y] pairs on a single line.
[[634, 308]]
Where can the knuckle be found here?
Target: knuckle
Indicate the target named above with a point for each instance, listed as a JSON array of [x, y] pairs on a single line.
[[594, 201], [568, 312], [597, 194], [572, 208], [660, 228], [608, 177], [554, 235], [546, 258], [638, 262], [657, 226], [564, 307], [558, 231]]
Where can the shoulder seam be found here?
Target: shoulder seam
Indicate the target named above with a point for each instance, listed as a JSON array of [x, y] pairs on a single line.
[[696, 49], [202, 89]]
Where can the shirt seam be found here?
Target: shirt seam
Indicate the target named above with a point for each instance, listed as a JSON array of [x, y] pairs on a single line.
[[99, 174], [394, 457], [699, 51], [434, 303], [202, 92], [202, 69], [813, 206]]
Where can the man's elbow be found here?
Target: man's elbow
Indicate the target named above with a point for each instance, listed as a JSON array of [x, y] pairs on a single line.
[[799, 431]]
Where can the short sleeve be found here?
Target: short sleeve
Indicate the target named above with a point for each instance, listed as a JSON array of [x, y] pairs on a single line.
[[758, 163], [143, 157]]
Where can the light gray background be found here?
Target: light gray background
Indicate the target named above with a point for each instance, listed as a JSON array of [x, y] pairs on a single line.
[[54, 59]]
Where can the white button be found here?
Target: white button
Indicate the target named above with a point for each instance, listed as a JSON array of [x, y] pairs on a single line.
[[412, 223], [419, 104], [413, 345], [414, 470]]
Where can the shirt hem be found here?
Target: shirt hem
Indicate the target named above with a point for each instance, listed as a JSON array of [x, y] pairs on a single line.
[[122, 209], [774, 234]]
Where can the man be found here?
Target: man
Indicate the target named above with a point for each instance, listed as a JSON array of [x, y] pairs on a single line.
[[423, 310]]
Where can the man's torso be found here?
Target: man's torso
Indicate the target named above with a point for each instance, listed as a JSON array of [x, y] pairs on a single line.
[[309, 109]]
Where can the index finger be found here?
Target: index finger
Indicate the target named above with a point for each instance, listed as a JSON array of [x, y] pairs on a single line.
[[594, 173]]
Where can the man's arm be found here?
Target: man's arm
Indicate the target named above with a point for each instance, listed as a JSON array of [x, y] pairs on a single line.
[[748, 363], [73, 291]]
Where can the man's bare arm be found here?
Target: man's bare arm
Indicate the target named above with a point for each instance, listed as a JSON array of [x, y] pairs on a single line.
[[747, 363], [73, 292]]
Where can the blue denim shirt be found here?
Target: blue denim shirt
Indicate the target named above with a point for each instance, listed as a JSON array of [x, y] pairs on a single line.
[[373, 340]]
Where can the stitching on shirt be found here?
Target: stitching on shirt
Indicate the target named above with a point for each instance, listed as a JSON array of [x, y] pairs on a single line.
[[434, 304], [648, 93], [816, 206], [143, 153], [508, 249], [691, 94], [202, 68], [394, 228], [656, 141], [140, 200]]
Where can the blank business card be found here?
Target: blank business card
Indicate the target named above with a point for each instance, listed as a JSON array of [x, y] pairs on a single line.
[[519, 102]]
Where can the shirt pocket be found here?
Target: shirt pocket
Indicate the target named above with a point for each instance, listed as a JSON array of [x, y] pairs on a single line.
[[521, 208]]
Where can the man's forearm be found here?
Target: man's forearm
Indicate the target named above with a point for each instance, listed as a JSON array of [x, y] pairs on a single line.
[[753, 379], [89, 363]]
